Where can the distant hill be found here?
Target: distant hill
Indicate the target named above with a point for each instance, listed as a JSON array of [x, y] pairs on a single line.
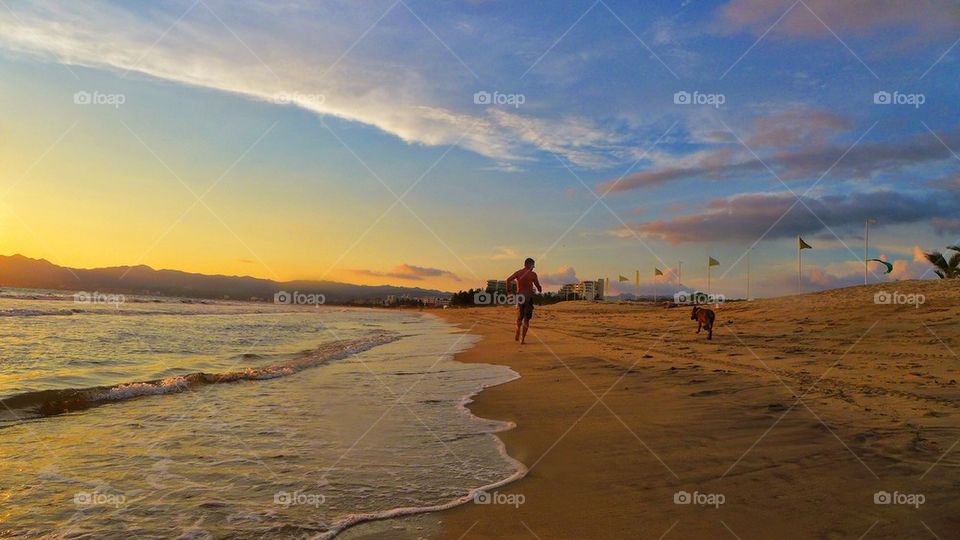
[[20, 271]]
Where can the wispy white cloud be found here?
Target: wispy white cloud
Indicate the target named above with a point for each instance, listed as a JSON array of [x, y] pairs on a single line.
[[400, 80]]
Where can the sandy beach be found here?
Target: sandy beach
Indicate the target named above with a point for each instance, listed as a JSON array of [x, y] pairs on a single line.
[[258, 259], [786, 425]]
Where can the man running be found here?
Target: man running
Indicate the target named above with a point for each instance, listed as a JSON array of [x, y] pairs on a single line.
[[526, 279]]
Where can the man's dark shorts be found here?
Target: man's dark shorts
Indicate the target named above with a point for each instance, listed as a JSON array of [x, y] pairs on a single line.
[[525, 310]]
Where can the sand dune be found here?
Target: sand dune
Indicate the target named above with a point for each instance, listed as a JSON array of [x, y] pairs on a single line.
[[797, 413]]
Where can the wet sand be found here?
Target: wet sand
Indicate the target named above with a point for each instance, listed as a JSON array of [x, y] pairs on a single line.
[[794, 416]]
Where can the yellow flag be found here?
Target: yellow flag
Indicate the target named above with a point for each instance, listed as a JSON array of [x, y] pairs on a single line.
[[804, 245], [624, 278], [713, 262], [657, 272]]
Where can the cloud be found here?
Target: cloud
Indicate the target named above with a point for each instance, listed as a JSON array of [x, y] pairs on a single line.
[[944, 226], [565, 274], [844, 274], [409, 272], [796, 128], [398, 78], [921, 19], [916, 268], [503, 253], [860, 162], [661, 286], [747, 216]]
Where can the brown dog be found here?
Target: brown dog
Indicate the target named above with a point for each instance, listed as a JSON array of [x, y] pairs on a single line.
[[704, 318]]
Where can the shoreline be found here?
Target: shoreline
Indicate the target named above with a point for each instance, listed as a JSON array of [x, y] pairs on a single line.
[[355, 526], [621, 409]]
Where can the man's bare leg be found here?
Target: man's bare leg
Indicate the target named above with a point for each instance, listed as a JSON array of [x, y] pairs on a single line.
[[519, 322], [523, 335]]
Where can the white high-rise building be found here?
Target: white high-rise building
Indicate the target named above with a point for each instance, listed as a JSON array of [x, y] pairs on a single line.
[[584, 290]]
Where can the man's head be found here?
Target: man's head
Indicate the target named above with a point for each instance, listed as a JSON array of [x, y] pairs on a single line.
[[528, 263]]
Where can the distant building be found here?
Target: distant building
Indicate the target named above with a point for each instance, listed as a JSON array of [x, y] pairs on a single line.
[[587, 290], [495, 286], [584, 290]]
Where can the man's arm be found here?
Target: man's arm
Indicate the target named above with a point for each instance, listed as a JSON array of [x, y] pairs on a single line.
[[536, 281]]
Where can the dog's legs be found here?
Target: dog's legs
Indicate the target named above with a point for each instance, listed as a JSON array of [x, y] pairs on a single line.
[[699, 326], [710, 332]]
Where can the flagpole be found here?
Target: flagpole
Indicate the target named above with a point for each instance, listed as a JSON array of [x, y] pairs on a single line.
[[708, 275], [748, 272], [679, 268], [799, 264], [866, 245], [654, 285], [638, 285]]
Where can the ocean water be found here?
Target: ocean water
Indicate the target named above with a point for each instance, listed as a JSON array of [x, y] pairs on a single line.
[[173, 418]]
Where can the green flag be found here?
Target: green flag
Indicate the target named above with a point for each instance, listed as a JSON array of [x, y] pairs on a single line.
[[885, 263], [804, 245], [713, 262], [657, 272], [623, 278]]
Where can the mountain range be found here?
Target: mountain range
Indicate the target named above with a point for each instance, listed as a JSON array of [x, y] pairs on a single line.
[[25, 272]]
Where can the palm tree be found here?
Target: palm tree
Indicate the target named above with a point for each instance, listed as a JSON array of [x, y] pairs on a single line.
[[946, 268]]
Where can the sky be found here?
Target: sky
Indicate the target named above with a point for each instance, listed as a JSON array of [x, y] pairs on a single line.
[[438, 144]]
